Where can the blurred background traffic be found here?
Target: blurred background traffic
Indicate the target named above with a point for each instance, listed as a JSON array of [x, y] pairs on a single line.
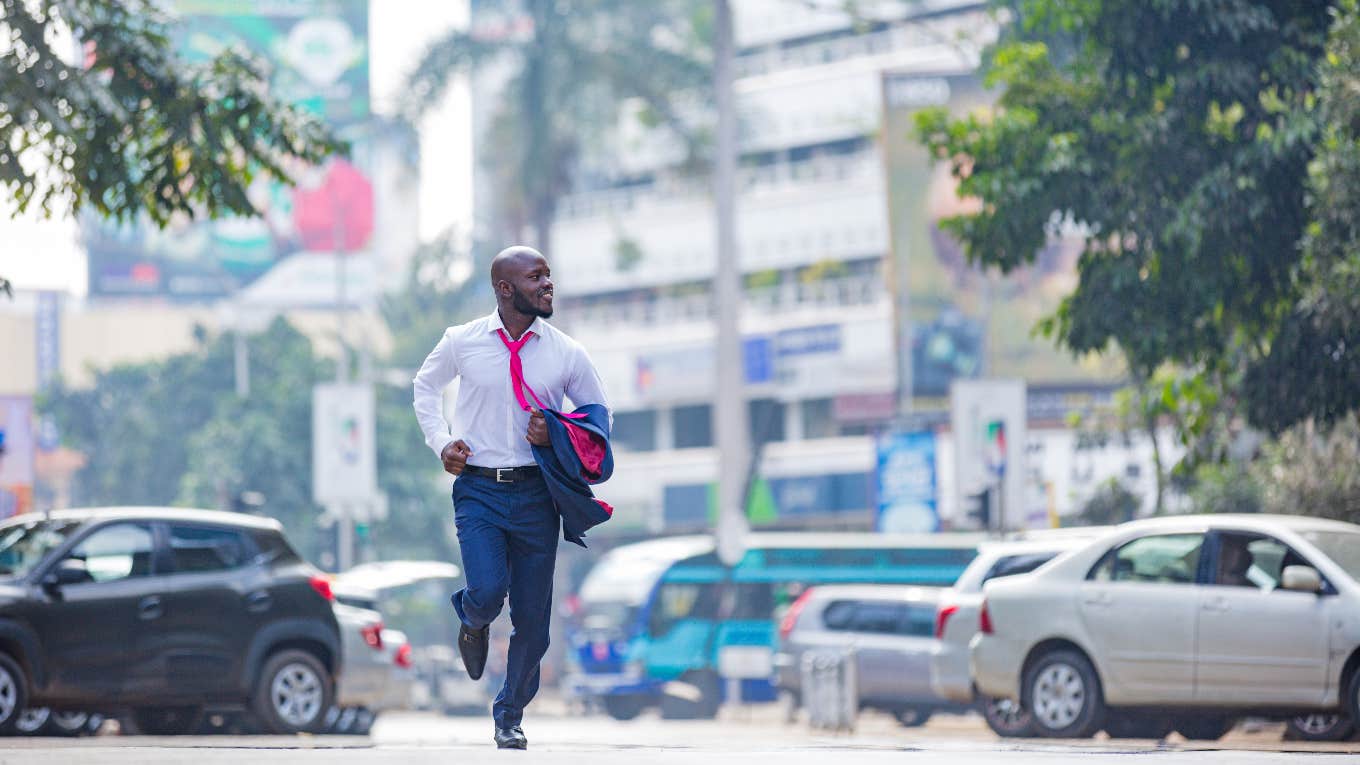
[[1003, 272]]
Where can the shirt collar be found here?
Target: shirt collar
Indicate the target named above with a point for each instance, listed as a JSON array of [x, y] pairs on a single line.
[[494, 323]]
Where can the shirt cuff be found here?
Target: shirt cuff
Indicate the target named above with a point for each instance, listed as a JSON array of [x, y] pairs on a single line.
[[442, 445]]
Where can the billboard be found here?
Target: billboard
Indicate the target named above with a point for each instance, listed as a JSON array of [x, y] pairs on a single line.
[[964, 322], [317, 57], [907, 500], [344, 460], [17, 446]]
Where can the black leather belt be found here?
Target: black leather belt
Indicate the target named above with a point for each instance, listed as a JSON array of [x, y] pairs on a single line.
[[504, 475]]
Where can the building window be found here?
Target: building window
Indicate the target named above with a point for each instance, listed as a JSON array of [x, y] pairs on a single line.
[[634, 431], [819, 420], [693, 426], [767, 420]]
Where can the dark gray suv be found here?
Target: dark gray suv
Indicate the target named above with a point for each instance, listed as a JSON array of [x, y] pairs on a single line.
[[162, 614]]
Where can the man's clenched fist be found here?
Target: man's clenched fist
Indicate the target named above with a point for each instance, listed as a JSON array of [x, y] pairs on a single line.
[[455, 457]]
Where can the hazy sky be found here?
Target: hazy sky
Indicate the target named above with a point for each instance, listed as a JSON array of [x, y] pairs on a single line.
[[42, 254]]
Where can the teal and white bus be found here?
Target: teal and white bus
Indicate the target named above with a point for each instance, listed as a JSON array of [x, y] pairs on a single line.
[[702, 615]]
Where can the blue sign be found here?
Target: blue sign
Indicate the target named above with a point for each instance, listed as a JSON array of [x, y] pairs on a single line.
[[821, 338], [758, 359], [907, 492]]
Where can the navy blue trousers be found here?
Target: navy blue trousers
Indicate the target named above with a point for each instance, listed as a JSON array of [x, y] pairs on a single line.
[[508, 536]]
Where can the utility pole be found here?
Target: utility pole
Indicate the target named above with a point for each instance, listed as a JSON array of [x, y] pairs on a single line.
[[729, 411]]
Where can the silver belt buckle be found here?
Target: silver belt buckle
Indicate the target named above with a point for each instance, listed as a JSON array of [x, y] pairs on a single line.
[[502, 480]]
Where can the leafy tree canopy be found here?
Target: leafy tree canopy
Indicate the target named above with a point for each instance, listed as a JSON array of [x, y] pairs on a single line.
[[1177, 136], [129, 128]]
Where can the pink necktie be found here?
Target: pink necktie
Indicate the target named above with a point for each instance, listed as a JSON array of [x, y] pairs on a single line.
[[517, 369]]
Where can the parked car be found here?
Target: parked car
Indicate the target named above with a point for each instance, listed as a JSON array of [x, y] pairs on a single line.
[[1184, 622], [956, 621], [378, 675], [162, 614], [891, 631]]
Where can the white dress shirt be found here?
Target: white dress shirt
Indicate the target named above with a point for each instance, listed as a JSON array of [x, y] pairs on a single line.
[[486, 415]]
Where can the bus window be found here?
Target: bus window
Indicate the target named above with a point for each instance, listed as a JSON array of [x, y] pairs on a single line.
[[753, 601], [676, 601]]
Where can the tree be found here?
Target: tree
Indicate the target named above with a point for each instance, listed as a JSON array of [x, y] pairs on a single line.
[[1311, 471], [131, 129], [1112, 503], [1176, 136], [1312, 369], [174, 432], [573, 64]]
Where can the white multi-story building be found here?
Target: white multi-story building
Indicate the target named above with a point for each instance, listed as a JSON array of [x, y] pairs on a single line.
[[634, 257]]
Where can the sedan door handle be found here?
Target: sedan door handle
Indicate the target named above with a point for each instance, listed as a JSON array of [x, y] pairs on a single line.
[[258, 601], [1099, 599], [150, 608]]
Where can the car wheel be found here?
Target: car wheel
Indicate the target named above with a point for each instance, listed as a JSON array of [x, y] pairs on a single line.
[[624, 707], [701, 703], [65, 722], [13, 694], [1319, 726], [1063, 695], [913, 717], [1007, 718], [32, 720], [292, 694], [363, 722], [1205, 728], [167, 721], [1121, 724]]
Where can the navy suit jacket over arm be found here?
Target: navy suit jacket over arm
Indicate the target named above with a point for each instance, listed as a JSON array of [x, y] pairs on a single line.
[[565, 468]]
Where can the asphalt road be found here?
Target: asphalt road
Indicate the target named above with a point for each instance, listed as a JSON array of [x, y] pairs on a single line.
[[558, 737]]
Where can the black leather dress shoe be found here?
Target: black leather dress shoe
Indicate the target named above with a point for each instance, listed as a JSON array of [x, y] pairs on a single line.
[[472, 645], [511, 738]]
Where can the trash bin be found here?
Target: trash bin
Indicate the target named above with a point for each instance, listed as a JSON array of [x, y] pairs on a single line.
[[830, 689]]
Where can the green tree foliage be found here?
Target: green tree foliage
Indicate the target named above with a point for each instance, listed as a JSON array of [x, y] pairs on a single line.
[[572, 64], [1312, 369], [175, 432], [1311, 471], [131, 129], [1177, 136], [1111, 503]]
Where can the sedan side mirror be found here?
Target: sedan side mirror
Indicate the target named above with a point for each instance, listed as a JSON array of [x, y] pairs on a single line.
[[68, 571], [1301, 579]]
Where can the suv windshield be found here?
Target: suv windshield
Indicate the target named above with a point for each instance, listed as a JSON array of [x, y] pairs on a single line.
[[1343, 548], [24, 545]]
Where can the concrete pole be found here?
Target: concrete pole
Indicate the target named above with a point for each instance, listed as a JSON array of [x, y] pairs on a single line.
[[733, 434]]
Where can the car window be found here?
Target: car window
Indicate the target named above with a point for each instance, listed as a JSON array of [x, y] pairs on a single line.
[[119, 551], [23, 546], [1343, 547], [879, 617], [676, 601], [1162, 558], [1012, 565], [1253, 560], [203, 548]]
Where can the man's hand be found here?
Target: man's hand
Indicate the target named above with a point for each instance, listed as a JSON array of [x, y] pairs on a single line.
[[538, 429], [455, 457]]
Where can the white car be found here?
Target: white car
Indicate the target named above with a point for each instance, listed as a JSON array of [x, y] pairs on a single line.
[[1183, 622], [956, 621]]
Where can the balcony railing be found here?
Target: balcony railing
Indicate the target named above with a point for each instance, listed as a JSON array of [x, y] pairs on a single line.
[[776, 299]]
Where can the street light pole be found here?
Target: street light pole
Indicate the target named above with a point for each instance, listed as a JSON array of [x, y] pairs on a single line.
[[730, 402]]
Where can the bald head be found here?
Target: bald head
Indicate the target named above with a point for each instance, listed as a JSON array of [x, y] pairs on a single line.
[[523, 282], [511, 260]]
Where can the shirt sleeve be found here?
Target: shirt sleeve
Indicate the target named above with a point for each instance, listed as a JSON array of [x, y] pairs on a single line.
[[439, 369], [585, 386]]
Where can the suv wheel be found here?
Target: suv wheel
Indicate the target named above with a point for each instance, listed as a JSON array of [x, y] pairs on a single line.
[[167, 721], [913, 717], [1007, 718], [1319, 726], [68, 723], [13, 693], [1063, 695], [32, 720], [293, 693]]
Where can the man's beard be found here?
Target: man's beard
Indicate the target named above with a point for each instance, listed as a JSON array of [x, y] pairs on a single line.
[[522, 304]]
